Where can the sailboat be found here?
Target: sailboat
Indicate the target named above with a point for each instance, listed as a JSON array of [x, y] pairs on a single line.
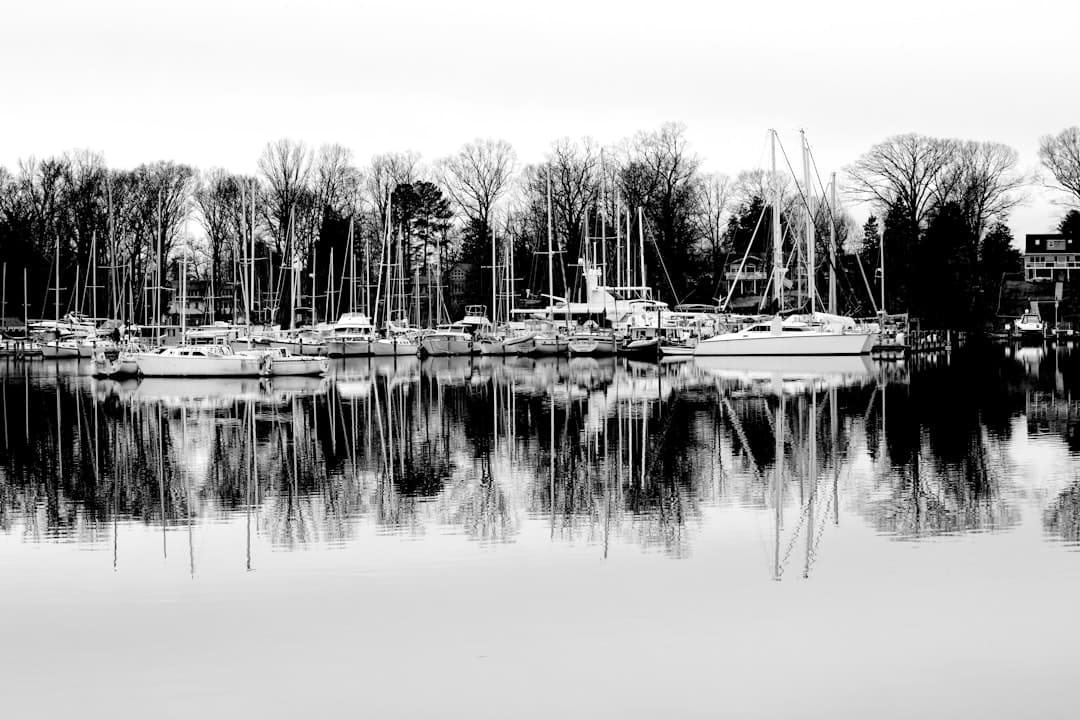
[[813, 334], [218, 360], [400, 338]]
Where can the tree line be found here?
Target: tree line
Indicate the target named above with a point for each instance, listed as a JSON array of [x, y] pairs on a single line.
[[940, 208]]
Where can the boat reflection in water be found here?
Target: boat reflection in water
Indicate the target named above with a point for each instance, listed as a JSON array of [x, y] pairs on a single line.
[[603, 451]]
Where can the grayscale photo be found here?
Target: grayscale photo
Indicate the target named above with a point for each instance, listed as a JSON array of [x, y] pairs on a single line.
[[475, 359]]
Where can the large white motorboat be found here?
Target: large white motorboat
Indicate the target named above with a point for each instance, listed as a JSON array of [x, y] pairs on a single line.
[[199, 361], [818, 334], [352, 336], [458, 338], [447, 340]]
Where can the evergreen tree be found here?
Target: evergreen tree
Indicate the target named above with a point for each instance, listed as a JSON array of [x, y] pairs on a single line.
[[1070, 225], [997, 258]]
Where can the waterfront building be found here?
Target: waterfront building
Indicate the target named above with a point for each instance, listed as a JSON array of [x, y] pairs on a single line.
[[1050, 257]]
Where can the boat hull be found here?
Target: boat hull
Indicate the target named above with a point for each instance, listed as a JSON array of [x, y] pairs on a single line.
[[157, 365], [794, 344], [300, 347], [348, 348], [437, 345], [296, 365], [59, 351], [549, 346], [388, 348], [591, 346], [519, 344], [648, 348]]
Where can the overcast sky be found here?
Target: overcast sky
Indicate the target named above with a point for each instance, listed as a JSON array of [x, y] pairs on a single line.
[[209, 82]]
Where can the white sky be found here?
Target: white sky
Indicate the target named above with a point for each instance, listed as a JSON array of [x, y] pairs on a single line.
[[209, 82]]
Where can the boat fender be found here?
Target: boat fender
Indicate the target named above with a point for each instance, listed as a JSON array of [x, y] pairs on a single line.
[[266, 365]]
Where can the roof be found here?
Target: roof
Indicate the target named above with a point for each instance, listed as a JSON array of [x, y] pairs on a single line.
[[1049, 243]]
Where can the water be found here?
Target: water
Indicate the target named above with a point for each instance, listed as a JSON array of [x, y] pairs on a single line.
[[523, 538]]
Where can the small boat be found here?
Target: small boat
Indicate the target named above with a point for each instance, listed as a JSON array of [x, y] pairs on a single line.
[[519, 344], [125, 364], [676, 350], [1030, 327], [641, 342], [591, 340], [550, 343], [396, 345], [278, 361], [448, 340], [305, 343], [60, 350]]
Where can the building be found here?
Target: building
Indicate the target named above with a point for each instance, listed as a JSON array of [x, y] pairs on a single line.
[[1051, 257]]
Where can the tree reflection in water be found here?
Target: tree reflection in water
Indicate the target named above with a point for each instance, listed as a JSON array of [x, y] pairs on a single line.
[[602, 451]]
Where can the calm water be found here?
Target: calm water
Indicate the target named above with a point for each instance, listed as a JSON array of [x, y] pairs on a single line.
[[522, 538]]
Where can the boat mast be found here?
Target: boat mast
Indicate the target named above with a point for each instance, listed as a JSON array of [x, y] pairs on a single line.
[[330, 291], [810, 259], [550, 256], [183, 298], [254, 278], [58, 283], [832, 244], [641, 247], [294, 274], [494, 279], [618, 243], [778, 250], [509, 280]]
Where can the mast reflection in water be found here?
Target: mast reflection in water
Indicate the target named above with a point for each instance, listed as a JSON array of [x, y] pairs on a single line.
[[601, 451]]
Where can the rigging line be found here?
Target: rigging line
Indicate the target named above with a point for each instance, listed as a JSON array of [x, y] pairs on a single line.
[[746, 254], [832, 219]]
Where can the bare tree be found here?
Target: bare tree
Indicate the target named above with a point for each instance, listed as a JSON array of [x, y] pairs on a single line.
[[387, 172], [984, 180], [713, 195], [1060, 154], [477, 176], [286, 167], [902, 173]]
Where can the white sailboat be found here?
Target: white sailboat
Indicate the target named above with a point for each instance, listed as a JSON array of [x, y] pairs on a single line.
[[812, 334]]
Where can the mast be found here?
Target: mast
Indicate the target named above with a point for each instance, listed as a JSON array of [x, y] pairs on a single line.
[[314, 290], [93, 253], [352, 270], [618, 244], [832, 244], [509, 281], [881, 253], [550, 263], [58, 283], [494, 279], [778, 250], [294, 273], [251, 283], [603, 224], [330, 309], [183, 297], [810, 249], [641, 246]]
